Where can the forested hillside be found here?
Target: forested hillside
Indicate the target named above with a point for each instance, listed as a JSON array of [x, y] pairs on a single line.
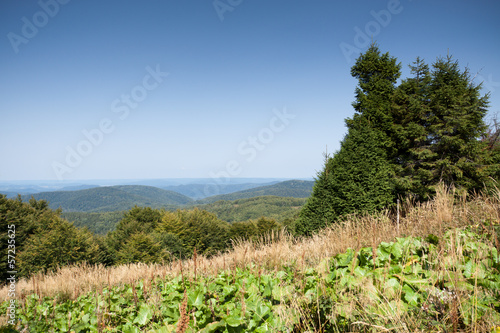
[[290, 188], [278, 208], [281, 209], [110, 198], [201, 191]]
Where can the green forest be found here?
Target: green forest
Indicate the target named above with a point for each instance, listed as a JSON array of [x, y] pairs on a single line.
[[407, 138]]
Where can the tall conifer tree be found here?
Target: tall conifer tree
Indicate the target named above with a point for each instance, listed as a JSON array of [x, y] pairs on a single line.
[[404, 140], [358, 177]]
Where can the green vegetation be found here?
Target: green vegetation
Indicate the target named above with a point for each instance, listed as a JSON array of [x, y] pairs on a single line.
[[411, 141], [111, 198], [405, 140], [278, 208], [409, 285], [97, 223], [289, 188], [282, 209], [156, 236], [43, 240]]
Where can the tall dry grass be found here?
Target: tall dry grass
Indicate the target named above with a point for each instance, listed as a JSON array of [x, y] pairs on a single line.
[[445, 212]]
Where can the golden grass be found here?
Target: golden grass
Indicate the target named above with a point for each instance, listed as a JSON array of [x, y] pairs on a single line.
[[443, 213]]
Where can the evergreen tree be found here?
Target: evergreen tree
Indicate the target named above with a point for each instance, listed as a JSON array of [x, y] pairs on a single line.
[[410, 113], [318, 211], [438, 120], [456, 124], [357, 179], [377, 75]]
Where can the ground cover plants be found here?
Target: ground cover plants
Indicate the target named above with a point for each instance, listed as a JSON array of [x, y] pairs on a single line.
[[438, 270]]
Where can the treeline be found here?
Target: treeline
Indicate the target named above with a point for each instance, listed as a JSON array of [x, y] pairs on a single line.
[[45, 241], [405, 139]]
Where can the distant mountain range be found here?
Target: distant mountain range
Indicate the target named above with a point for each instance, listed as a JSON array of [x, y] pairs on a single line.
[[124, 197], [195, 188], [111, 198], [200, 191]]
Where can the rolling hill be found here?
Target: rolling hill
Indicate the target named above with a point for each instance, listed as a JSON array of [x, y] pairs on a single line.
[[201, 191], [289, 188], [111, 198]]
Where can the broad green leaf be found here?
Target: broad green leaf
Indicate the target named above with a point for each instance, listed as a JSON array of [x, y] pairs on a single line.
[[234, 321], [196, 299], [213, 327], [359, 271], [144, 315], [344, 259], [262, 310], [129, 328], [410, 296], [397, 251], [468, 269]]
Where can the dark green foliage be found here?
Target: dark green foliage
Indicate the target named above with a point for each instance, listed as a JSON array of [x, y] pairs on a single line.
[[138, 220], [355, 180], [141, 247], [152, 235], [440, 117], [278, 208], [196, 229], [266, 226], [358, 177], [254, 230], [242, 230], [60, 244], [172, 243], [43, 240], [491, 156], [377, 75], [404, 140], [410, 112]]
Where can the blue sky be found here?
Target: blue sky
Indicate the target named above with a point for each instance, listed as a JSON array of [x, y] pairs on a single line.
[[179, 89]]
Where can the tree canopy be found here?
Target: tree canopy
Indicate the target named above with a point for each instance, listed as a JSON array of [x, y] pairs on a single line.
[[403, 140]]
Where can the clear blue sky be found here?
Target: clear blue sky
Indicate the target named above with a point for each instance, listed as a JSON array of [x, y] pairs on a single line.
[[254, 88]]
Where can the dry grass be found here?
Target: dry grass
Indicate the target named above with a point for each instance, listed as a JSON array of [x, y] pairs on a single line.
[[437, 216]]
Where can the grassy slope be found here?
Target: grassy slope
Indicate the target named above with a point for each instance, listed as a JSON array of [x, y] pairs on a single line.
[[295, 283]]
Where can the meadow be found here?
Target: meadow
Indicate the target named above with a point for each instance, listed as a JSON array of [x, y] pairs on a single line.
[[434, 267]]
